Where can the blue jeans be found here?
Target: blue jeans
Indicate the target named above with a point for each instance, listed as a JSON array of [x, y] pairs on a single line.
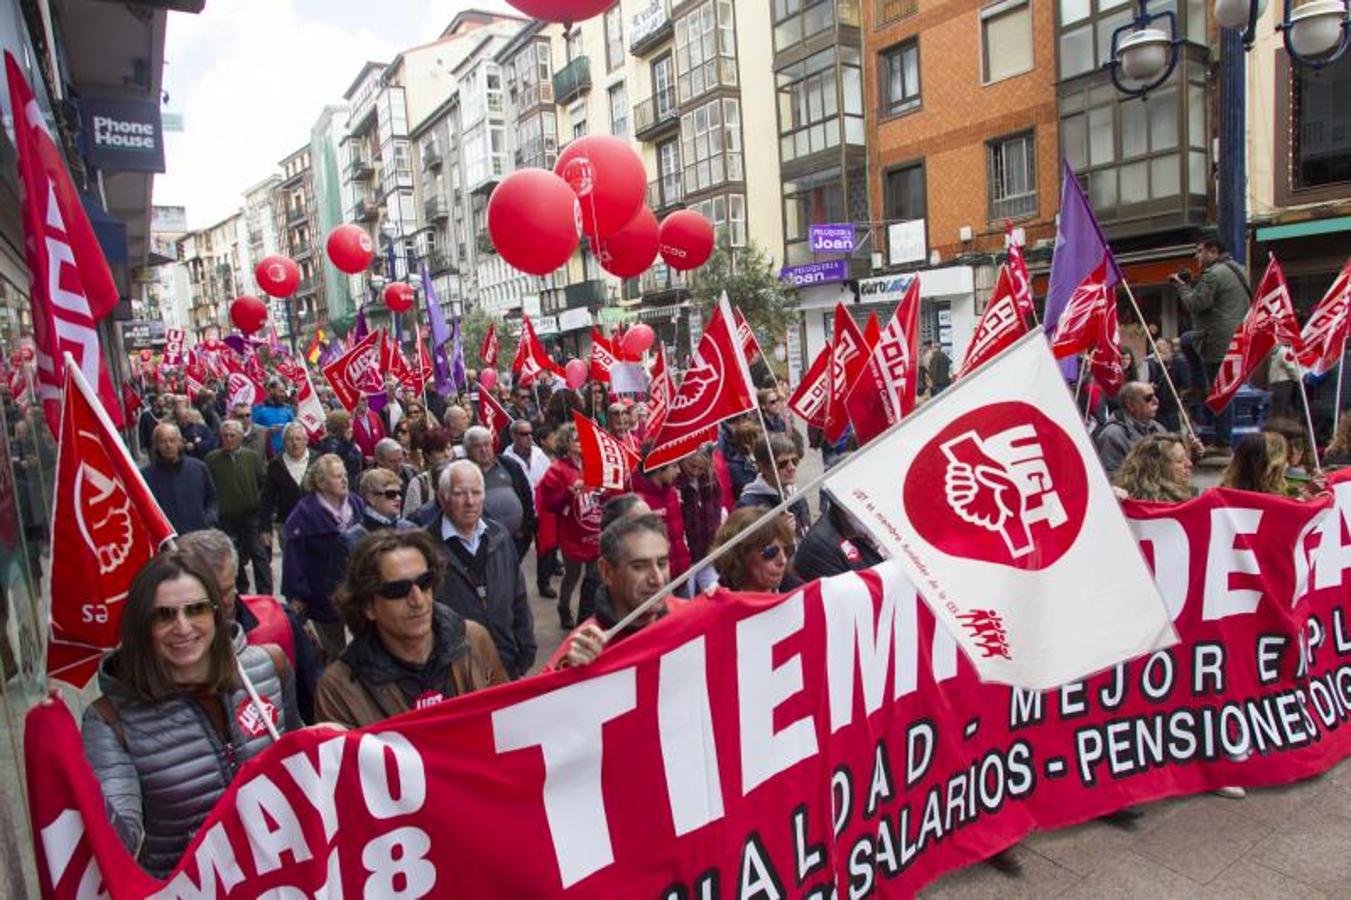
[[1223, 421]]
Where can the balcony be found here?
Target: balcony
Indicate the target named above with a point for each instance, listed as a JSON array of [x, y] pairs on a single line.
[[438, 261], [365, 210], [304, 287], [436, 208], [665, 194], [661, 278], [573, 80], [485, 243], [649, 28], [534, 96], [656, 116], [431, 155], [581, 295], [360, 167], [301, 249], [891, 10], [295, 215]]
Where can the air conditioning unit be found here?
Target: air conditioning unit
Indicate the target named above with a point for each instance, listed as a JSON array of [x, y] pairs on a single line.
[[964, 233]]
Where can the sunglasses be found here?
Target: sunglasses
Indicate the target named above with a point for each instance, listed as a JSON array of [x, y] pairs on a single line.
[[397, 590], [771, 552], [789, 463], [390, 494], [193, 611]]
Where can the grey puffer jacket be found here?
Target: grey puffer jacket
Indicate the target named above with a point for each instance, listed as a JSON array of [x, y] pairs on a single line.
[[1217, 304], [167, 768]]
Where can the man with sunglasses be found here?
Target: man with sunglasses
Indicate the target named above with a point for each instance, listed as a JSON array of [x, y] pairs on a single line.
[[484, 582], [408, 651], [776, 461], [1133, 421]]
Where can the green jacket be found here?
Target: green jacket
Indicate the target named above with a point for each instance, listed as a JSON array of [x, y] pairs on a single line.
[[239, 479], [1217, 304]]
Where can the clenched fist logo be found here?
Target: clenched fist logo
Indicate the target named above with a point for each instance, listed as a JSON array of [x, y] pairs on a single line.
[[103, 509]]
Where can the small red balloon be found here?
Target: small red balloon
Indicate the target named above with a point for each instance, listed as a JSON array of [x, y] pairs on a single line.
[[248, 313], [685, 240], [533, 220], [608, 178], [575, 373], [637, 339], [146, 356], [277, 275], [629, 251], [399, 296], [569, 11], [487, 379], [350, 248]]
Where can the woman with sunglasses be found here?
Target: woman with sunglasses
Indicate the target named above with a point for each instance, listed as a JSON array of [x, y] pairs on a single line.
[[760, 562], [407, 651], [182, 711]]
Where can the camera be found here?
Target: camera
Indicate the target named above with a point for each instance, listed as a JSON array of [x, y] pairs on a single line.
[[1185, 276]]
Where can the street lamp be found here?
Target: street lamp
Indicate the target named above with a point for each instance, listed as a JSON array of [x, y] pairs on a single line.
[[1143, 53], [1315, 32]]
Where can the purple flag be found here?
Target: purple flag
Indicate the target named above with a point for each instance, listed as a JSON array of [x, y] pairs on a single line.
[[457, 370], [331, 351], [1079, 247], [361, 329], [440, 333]]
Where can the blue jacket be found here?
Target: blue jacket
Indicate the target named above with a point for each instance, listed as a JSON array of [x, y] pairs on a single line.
[[315, 556], [265, 415], [184, 491]]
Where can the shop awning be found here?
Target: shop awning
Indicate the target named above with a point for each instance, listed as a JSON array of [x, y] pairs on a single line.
[[1304, 229]]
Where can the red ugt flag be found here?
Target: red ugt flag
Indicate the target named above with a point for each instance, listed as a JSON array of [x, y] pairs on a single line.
[[716, 387], [849, 354], [750, 347], [811, 400], [70, 284], [1325, 333], [360, 371], [885, 390], [1082, 319], [1021, 281], [495, 418], [660, 393], [105, 526], [1270, 321], [602, 357], [488, 352], [1000, 325], [606, 463], [530, 359]]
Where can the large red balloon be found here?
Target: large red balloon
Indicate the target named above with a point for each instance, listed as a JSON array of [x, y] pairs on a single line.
[[685, 240], [562, 10], [399, 296], [248, 313], [637, 339], [609, 179], [277, 275], [350, 248], [629, 251], [533, 220], [575, 373]]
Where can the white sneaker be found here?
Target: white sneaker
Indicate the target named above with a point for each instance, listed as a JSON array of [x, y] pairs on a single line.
[[1232, 792]]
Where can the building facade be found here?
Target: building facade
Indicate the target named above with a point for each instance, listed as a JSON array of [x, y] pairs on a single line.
[[299, 237], [216, 261], [333, 293]]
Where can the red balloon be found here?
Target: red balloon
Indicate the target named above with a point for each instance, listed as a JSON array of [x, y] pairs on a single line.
[[533, 220], [609, 179], [487, 379], [146, 356], [277, 275], [248, 313], [685, 240], [350, 248], [637, 339], [629, 251], [575, 373], [399, 296], [562, 10]]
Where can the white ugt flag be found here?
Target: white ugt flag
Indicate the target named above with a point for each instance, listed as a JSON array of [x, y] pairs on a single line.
[[992, 499]]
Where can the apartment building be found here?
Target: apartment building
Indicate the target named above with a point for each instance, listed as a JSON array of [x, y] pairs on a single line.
[[260, 229], [215, 260], [299, 237], [961, 109]]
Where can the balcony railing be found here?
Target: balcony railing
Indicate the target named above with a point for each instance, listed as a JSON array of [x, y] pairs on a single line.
[[572, 80], [438, 261], [360, 167], [365, 210], [583, 294], [665, 194], [301, 249], [660, 278], [296, 214], [436, 208], [891, 10], [656, 115], [485, 243], [305, 286], [431, 155]]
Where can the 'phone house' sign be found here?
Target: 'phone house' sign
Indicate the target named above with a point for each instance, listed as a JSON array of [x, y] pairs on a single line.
[[123, 135]]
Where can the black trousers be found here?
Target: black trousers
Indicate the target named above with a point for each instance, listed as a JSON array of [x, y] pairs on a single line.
[[248, 544]]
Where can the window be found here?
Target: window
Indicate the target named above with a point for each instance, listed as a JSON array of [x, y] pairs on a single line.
[[905, 193], [577, 115], [537, 139], [809, 104], [815, 199], [1006, 39], [727, 213], [798, 20], [898, 69], [619, 111], [663, 86], [1321, 119], [668, 172], [1085, 29], [705, 49], [614, 38], [1013, 177], [710, 145]]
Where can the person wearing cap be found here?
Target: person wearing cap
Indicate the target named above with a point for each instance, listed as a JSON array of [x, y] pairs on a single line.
[[274, 414]]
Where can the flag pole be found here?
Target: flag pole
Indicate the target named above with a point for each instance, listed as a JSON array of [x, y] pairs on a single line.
[[1308, 423], [764, 433], [1167, 377], [1337, 401]]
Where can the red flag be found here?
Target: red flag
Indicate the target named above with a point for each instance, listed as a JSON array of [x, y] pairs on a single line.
[[309, 411], [602, 356], [1018, 277], [660, 392], [530, 359], [812, 397], [131, 400], [849, 356], [1106, 362], [1000, 325], [872, 331], [750, 347], [495, 418], [488, 352], [1082, 319], [403, 373], [240, 388], [360, 371], [105, 526], [291, 370], [717, 387], [426, 368], [173, 346], [70, 286], [1270, 321], [606, 463], [1324, 334], [885, 389]]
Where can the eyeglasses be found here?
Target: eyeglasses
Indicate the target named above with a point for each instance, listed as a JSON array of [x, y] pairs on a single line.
[[770, 552], [397, 590], [192, 611], [390, 494], [789, 462]]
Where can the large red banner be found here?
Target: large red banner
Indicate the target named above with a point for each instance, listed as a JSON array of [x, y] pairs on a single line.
[[829, 738]]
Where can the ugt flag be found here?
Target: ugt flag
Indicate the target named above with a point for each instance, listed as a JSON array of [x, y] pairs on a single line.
[[660, 392], [849, 354], [360, 371], [1001, 324], [994, 502], [811, 400], [105, 526], [885, 389], [70, 285], [717, 387], [606, 463], [1079, 248], [1324, 334], [1270, 321]]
